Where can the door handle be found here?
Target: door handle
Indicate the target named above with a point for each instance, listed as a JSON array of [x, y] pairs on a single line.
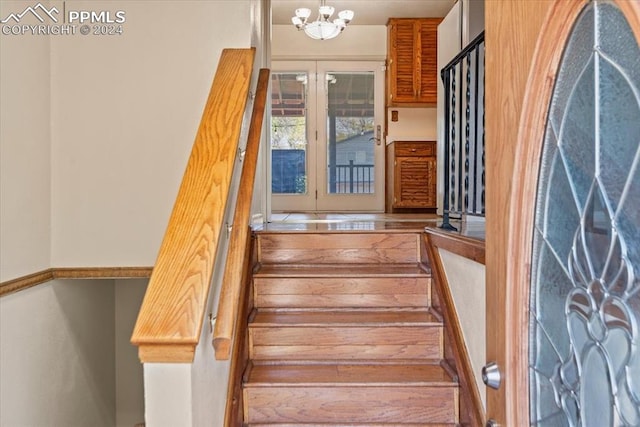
[[378, 137], [491, 376]]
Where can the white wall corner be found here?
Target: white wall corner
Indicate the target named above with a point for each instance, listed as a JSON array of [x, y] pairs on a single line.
[[167, 394], [466, 280]]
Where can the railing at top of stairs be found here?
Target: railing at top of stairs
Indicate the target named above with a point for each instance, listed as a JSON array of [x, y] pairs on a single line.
[[464, 158]]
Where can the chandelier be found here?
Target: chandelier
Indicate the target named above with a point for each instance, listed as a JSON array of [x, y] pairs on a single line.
[[322, 28]]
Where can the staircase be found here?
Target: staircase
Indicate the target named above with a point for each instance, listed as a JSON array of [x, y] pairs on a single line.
[[342, 333]]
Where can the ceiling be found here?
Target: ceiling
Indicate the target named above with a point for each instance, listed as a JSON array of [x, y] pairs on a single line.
[[367, 12]]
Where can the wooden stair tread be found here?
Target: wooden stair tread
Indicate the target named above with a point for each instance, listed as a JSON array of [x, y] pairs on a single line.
[[342, 270], [336, 375], [272, 318], [314, 227]]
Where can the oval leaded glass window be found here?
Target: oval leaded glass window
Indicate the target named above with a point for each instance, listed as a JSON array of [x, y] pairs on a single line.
[[585, 282]]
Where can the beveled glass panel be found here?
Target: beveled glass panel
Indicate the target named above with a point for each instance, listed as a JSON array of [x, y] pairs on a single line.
[[616, 41], [554, 282], [584, 346], [628, 218], [619, 128], [577, 134], [549, 157], [562, 212], [578, 53]]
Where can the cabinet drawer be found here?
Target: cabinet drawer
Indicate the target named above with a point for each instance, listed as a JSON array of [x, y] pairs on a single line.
[[411, 149]]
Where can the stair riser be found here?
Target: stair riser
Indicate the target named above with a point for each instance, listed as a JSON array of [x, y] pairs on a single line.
[[381, 335], [314, 292], [350, 404], [341, 301], [346, 343], [365, 248], [345, 352]]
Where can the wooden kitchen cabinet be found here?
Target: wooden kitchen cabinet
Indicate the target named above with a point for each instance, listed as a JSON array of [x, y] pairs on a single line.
[[412, 59], [411, 175]]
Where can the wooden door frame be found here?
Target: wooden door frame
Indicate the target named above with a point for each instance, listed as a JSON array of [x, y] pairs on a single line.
[[515, 182]]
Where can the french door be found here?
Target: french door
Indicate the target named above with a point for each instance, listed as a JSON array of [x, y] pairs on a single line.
[[327, 152]]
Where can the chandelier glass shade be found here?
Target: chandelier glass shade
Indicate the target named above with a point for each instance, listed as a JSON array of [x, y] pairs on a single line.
[[322, 28]]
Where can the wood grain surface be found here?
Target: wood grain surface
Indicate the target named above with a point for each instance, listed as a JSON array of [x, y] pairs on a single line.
[[236, 256], [173, 308]]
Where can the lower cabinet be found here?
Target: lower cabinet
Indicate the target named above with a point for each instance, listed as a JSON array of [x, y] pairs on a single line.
[[411, 175]]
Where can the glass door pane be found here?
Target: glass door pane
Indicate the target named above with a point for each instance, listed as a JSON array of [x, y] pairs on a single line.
[[350, 133], [288, 133], [293, 98], [350, 152]]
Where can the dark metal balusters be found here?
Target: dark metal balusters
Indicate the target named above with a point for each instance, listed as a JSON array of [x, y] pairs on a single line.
[[464, 180]]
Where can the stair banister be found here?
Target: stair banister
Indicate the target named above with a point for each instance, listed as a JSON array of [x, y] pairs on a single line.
[[232, 282], [173, 310], [464, 151]]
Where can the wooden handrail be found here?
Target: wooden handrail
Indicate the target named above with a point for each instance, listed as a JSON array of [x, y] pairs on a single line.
[[172, 312], [233, 273]]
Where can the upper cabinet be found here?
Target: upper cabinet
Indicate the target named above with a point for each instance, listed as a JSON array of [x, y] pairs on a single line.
[[412, 72]]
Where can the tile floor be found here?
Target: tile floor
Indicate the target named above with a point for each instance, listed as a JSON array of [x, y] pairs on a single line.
[[324, 221]]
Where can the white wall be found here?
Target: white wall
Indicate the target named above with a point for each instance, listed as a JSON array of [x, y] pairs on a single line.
[[129, 388], [108, 123], [261, 38], [65, 355], [467, 284], [25, 191], [57, 355], [413, 123], [96, 130], [472, 20], [195, 394], [356, 43], [125, 111]]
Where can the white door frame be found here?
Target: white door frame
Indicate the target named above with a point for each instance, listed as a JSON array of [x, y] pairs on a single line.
[[316, 153]]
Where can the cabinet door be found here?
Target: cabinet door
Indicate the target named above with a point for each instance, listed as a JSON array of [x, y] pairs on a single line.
[[415, 182], [413, 73], [403, 70], [428, 89]]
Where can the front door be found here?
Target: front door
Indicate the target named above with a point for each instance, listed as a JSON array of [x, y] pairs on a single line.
[[327, 152], [563, 221]]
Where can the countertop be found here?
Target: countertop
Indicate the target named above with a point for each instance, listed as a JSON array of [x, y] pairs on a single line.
[[392, 138]]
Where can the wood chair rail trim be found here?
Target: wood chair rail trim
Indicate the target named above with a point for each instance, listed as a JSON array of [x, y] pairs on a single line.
[[172, 313], [28, 281], [464, 246]]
